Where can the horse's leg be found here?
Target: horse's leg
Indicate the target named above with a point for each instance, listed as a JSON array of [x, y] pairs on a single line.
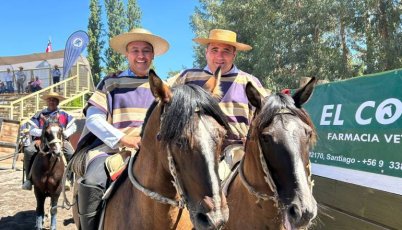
[[40, 208], [53, 211]]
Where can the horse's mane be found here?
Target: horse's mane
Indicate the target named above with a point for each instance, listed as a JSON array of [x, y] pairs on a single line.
[[186, 101], [273, 106]]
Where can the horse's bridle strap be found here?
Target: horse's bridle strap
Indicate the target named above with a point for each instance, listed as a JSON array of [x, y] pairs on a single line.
[[151, 194]]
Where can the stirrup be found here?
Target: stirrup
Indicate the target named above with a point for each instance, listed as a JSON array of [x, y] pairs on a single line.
[[27, 185]]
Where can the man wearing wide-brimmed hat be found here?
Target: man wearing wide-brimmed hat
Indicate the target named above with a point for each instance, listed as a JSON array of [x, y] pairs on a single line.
[[108, 124], [21, 77], [221, 50], [36, 124]]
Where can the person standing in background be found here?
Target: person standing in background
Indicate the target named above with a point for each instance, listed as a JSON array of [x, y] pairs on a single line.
[[9, 78], [56, 75], [21, 77]]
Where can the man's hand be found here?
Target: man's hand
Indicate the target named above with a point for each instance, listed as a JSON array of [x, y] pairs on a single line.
[[130, 141]]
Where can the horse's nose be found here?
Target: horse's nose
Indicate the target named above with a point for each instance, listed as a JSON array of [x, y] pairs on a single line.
[[301, 216], [210, 215], [207, 204], [294, 212]]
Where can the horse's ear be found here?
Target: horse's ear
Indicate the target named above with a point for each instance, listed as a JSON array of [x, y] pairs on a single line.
[[254, 97], [303, 94], [213, 84], [159, 88]]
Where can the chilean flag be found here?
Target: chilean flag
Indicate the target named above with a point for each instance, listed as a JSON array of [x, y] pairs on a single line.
[[49, 46]]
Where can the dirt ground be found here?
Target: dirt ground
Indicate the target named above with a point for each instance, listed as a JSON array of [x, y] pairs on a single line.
[[17, 206]]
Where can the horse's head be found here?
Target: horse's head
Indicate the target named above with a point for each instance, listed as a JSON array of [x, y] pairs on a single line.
[[282, 132], [190, 133], [52, 135]]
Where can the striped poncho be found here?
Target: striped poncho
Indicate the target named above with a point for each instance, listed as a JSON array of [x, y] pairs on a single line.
[[234, 102], [125, 100]]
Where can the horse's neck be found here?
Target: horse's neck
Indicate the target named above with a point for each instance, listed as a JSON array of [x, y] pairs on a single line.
[[261, 212], [151, 174], [252, 168]]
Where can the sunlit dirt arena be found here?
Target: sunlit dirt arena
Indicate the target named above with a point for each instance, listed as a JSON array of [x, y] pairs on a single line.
[[17, 206]]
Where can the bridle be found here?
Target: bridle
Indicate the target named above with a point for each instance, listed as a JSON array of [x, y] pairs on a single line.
[[55, 140], [267, 175], [181, 203]]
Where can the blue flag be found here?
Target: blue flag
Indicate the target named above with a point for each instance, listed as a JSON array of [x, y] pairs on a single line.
[[76, 43]]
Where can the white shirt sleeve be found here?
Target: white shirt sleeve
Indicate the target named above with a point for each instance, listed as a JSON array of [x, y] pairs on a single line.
[[36, 132], [97, 124], [71, 128]]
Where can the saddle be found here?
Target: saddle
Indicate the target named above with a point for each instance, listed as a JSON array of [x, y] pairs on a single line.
[[229, 179], [116, 163]]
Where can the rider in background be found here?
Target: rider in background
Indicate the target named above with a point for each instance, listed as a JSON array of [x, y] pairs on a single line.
[[114, 117], [221, 50], [36, 124]]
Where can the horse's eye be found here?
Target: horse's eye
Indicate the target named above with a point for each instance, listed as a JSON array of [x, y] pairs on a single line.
[[181, 142], [265, 137], [309, 133]]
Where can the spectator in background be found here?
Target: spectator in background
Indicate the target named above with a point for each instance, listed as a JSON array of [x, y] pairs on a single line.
[[35, 85], [56, 75], [10, 78], [2, 87], [28, 88], [21, 77]]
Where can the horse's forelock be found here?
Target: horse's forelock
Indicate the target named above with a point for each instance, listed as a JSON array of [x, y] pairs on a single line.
[[188, 100], [277, 102]]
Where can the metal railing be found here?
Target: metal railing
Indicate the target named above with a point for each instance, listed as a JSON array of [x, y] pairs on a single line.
[[77, 86]]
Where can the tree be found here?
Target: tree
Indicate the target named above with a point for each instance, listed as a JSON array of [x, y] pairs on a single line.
[[95, 45], [291, 39], [117, 24], [133, 15]]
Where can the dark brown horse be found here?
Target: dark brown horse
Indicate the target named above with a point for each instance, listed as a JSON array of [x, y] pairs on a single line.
[[47, 170], [177, 165], [273, 187]]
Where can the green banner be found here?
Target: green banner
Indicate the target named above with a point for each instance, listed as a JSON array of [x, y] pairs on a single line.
[[359, 123]]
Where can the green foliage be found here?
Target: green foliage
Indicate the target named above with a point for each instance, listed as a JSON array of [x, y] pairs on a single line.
[[133, 15], [291, 39], [117, 24], [95, 45], [76, 103], [173, 73]]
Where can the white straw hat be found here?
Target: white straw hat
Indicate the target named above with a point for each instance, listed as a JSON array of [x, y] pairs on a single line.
[[223, 36], [119, 43]]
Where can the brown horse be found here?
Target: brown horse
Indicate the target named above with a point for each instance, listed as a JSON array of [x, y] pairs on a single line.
[[47, 170], [273, 187], [177, 165]]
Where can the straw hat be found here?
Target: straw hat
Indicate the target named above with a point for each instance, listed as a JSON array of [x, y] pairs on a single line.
[[119, 43], [53, 95], [223, 36]]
